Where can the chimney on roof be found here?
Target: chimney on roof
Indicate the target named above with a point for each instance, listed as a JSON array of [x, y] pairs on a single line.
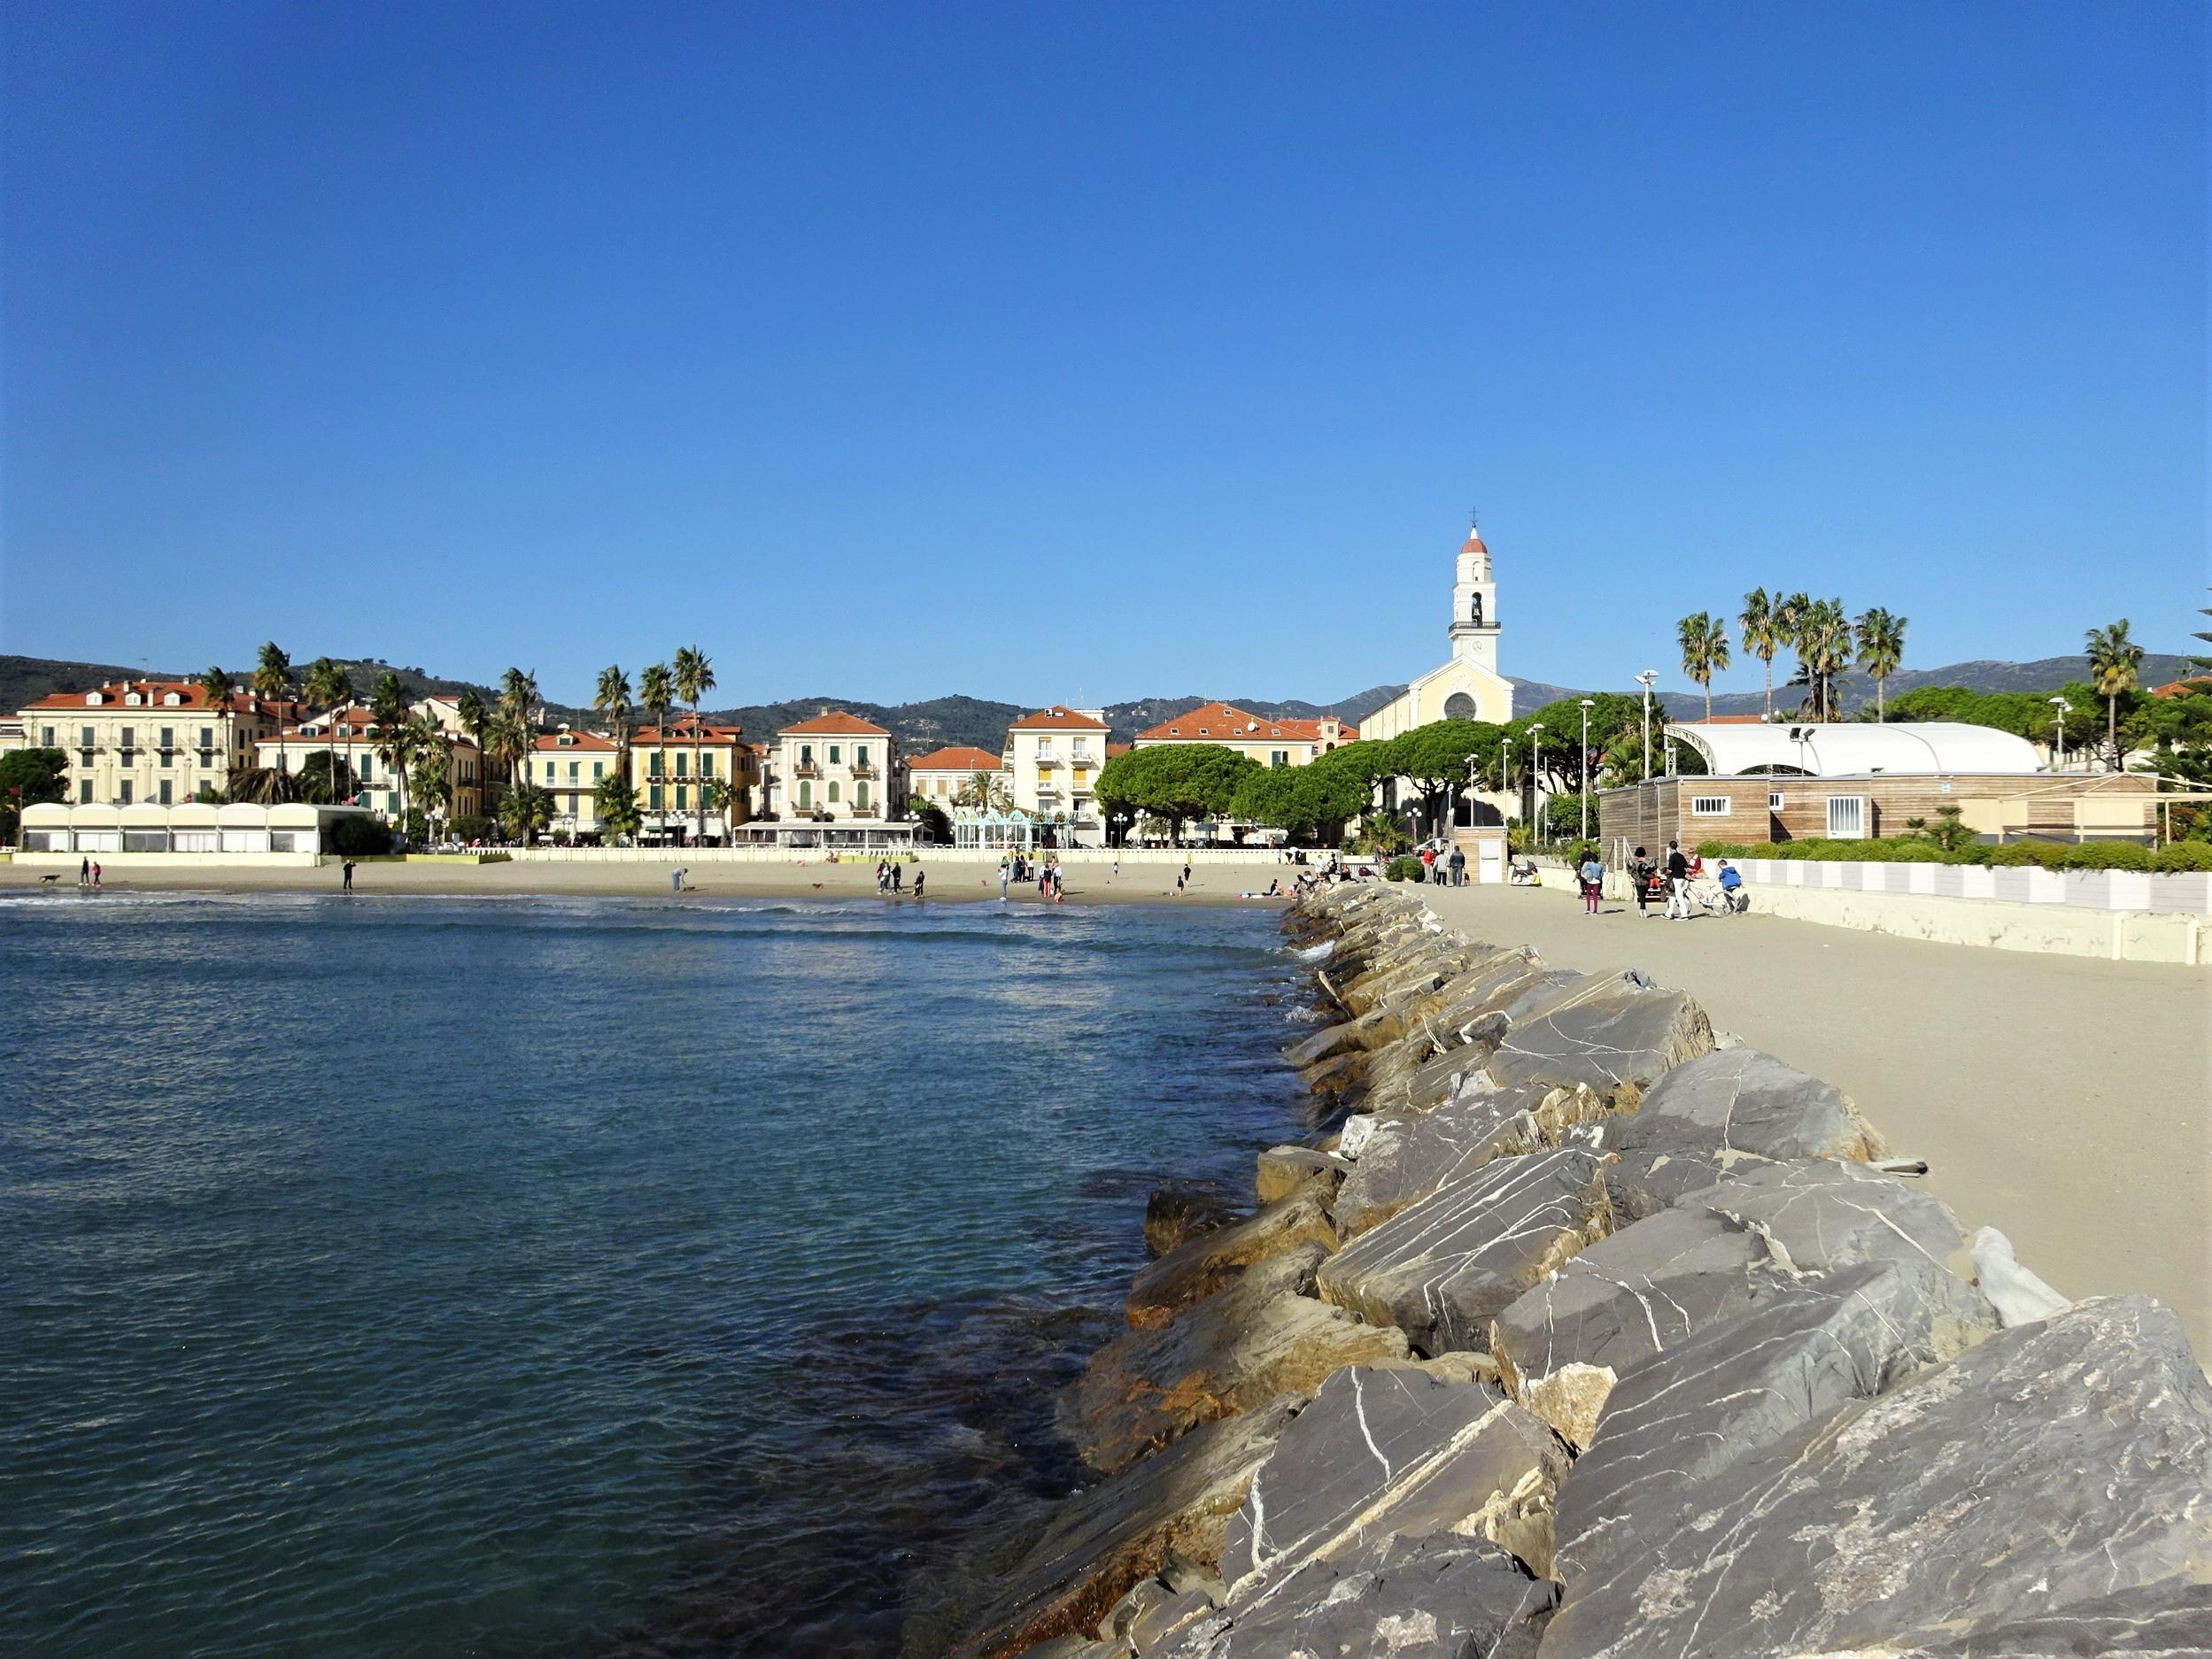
[[824, 709]]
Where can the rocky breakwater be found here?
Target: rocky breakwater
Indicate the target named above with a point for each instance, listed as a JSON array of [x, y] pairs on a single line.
[[1592, 1332]]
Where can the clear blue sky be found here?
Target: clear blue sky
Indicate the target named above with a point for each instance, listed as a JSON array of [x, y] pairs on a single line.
[[1050, 352]]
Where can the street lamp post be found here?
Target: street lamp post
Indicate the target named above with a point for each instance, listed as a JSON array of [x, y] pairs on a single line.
[[2061, 709], [1588, 703], [1645, 680], [1505, 769], [1535, 776]]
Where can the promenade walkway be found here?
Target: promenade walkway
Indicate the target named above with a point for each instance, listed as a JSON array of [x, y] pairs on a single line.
[[2064, 1100]]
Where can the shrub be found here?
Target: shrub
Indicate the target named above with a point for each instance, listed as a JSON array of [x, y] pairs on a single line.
[[1405, 869], [2105, 855], [2185, 855], [473, 828], [355, 837], [2011, 855]]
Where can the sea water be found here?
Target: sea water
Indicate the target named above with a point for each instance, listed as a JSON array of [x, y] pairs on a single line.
[[540, 1276]]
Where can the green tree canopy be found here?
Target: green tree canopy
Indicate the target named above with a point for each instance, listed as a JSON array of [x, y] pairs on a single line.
[[1175, 780]]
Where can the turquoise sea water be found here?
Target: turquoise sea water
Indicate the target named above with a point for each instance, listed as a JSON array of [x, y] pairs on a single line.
[[571, 1277]]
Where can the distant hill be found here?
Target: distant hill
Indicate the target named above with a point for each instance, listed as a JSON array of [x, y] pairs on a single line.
[[938, 721]]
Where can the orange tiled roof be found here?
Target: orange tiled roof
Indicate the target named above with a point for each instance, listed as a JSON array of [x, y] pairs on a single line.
[[958, 758], [2175, 688], [189, 694], [680, 731], [1059, 717], [573, 742], [1113, 748], [1224, 722], [836, 724]]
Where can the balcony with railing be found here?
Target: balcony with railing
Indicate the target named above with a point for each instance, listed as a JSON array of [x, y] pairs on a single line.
[[806, 768], [865, 769]]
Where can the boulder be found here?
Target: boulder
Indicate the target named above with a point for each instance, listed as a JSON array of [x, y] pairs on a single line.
[[1434, 1597], [1284, 1170], [1740, 1384], [2168, 1621], [1201, 1266], [1180, 1210], [2059, 1468], [1103, 1541], [2019, 1296], [1614, 1033], [1723, 1112], [1441, 1270], [1407, 1155], [1724, 1250], [1346, 1036], [1231, 1352], [1395, 1449]]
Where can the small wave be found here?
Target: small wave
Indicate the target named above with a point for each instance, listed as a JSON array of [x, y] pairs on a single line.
[[1319, 953]]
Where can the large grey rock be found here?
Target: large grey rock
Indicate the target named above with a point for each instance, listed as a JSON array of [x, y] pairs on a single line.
[[1103, 1541], [1722, 1251], [1433, 1597], [1721, 1113], [1444, 1269], [1180, 1210], [1395, 1449], [1613, 1033], [2166, 1621], [1235, 1350], [1407, 1155], [1284, 1170], [1202, 1265], [1740, 1384], [2057, 1467]]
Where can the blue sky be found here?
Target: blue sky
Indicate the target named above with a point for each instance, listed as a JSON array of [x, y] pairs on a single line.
[[1057, 352]]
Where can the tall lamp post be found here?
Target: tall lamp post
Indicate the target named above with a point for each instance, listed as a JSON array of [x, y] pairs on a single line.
[[1588, 703], [1536, 777], [1645, 680], [2061, 709]]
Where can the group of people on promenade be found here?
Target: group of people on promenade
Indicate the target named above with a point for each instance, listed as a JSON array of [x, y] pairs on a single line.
[[1669, 879], [1445, 870]]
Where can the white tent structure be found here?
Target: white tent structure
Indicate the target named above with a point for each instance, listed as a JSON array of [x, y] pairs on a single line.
[[1857, 748], [1010, 831]]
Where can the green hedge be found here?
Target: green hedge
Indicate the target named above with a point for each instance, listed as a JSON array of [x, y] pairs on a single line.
[[2050, 855], [1405, 869]]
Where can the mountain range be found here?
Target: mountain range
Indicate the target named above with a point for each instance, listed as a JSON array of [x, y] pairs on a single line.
[[923, 726]]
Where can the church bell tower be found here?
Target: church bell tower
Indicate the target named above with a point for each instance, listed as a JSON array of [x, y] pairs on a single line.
[[1474, 605]]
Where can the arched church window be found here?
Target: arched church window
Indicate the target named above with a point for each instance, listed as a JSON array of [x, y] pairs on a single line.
[[1459, 705]]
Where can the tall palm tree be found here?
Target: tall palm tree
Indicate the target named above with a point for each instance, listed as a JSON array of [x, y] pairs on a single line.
[[215, 686], [476, 724], [1762, 636], [388, 732], [1789, 615], [2114, 662], [507, 739], [329, 688], [1823, 643], [983, 791], [1704, 642], [612, 699], [518, 694], [1881, 648], [694, 677], [656, 690], [431, 763], [272, 682]]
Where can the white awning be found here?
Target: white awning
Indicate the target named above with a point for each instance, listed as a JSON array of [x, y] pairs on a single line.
[[1855, 749]]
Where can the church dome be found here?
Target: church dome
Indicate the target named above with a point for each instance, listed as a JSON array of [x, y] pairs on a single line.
[[1473, 545]]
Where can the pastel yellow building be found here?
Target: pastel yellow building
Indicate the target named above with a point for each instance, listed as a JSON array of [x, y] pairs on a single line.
[[1053, 759], [162, 741], [670, 766], [570, 766], [351, 732]]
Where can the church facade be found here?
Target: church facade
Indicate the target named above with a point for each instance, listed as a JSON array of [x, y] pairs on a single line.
[[1469, 686]]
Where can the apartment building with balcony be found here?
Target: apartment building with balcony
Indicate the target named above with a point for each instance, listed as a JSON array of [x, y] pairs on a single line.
[[941, 776], [1053, 759], [352, 732], [835, 768], [161, 741], [670, 767], [569, 766]]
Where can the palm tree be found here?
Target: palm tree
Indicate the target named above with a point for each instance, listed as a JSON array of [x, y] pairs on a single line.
[[1823, 643], [272, 684], [329, 688], [476, 724], [507, 739], [615, 803], [721, 795], [1762, 636], [388, 733], [525, 810], [656, 690], [2114, 662], [429, 764], [1881, 648], [612, 699], [694, 678], [983, 791], [215, 686], [1704, 642], [518, 693], [1789, 620]]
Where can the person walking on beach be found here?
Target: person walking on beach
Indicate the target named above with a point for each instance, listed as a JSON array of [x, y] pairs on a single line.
[[1677, 883], [898, 879], [1059, 873], [1005, 873], [920, 876], [84, 872], [1186, 881], [348, 886], [1593, 874], [96, 878], [1640, 872], [675, 881]]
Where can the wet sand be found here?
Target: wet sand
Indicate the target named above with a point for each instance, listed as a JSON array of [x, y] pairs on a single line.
[[2061, 1099]]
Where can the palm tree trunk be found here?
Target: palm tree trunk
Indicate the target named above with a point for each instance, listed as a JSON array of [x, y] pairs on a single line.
[[1708, 699], [1769, 659], [699, 783], [1880, 705], [2112, 728]]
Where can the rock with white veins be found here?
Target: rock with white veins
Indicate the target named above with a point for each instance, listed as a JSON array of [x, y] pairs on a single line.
[[2059, 1469], [1434, 1597], [1743, 1384], [1202, 1265], [1444, 1269], [1613, 1032], [1407, 1155], [1721, 1113], [1722, 1251], [1395, 1449]]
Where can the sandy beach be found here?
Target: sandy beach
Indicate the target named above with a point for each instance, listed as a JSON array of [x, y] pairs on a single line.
[[950, 882]]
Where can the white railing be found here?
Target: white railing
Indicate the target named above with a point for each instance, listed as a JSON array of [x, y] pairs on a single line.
[[2185, 893]]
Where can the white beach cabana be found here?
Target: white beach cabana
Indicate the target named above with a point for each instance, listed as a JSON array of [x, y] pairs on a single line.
[[1856, 749]]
